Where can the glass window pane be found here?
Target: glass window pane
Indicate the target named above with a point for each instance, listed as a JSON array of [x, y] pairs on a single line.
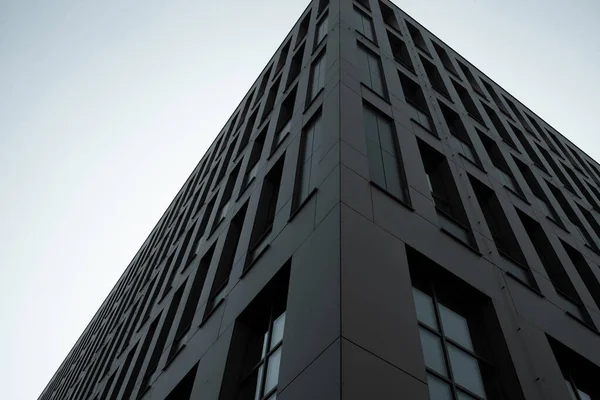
[[570, 387], [392, 175], [438, 389], [273, 370], [466, 371], [583, 395], [375, 163], [371, 128], [386, 135], [456, 327], [375, 74], [432, 351], [278, 326], [258, 393], [363, 63], [424, 307]]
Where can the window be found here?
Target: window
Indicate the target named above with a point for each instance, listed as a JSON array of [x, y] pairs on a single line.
[[383, 154], [400, 51], [446, 198], [265, 214], [503, 236], [253, 162], [538, 192], [502, 171], [495, 97], [226, 200], [585, 272], [417, 37], [413, 94], [254, 358], [226, 261], [189, 310], [370, 69], [446, 61], [270, 100], [183, 390], [514, 110], [452, 364], [263, 85], [303, 29], [284, 121], [467, 101], [317, 77], [283, 57], [295, 67], [122, 373], [364, 25], [389, 17], [582, 188], [245, 137], [556, 169], [435, 79], [307, 161], [580, 374], [528, 148], [570, 212], [322, 5], [459, 135], [567, 298], [499, 126], [471, 78], [322, 28]]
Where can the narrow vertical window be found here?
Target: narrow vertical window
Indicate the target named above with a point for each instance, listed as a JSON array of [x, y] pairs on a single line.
[[270, 102], [226, 200], [538, 192], [253, 162], [265, 214], [364, 25], [263, 85], [400, 52], [459, 134], [322, 28], [303, 29], [307, 161], [295, 66], [502, 171], [284, 120], [471, 78], [226, 261], [417, 37], [495, 97], [441, 52], [370, 68], [317, 77], [467, 101], [500, 128], [435, 79], [383, 153], [389, 17], [413, 94]]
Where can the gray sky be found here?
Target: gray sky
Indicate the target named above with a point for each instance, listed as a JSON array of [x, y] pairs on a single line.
[[107, 106]]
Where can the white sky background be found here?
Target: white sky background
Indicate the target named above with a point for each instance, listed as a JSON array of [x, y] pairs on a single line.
[[107, 106]]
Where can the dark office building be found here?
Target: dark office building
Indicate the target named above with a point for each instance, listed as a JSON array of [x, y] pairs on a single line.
[[377, 220]]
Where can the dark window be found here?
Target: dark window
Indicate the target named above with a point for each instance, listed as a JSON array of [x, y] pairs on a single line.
[[140, 360], [581, 376], [189, 310], [226, 200], [500, 128], [370, 69], [570, 212], [263, 85], [384, 156], [123, 373], [582, 188], [295, 66], [162, 339], [413, 94], [322, 5], [446, 198], [555, 168], [282, 57], [206, 216], [253, 162], [364, 25], [417, 37], [226, 261], [317, 77], [459, 135], [226, 162], [467, 101], [567, 298], [435, 79], [284, 121], [441, 52], [303, 29], [495, 97], [271, 100], [502, 234], [389, 16], [502, 170], [400, 52], [183, 390], [471, 78], [591, 221], [538, 192], [515, 111], [307, 161], [528, 148], [265, 214], [322, 28], [585, 272], [253, 360]]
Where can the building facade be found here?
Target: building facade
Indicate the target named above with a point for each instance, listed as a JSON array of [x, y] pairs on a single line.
[[377, 220]]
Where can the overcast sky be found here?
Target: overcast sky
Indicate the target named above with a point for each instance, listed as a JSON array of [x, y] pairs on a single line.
[[107, 106]]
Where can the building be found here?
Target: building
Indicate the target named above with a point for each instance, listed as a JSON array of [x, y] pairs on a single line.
[[377, 219]]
